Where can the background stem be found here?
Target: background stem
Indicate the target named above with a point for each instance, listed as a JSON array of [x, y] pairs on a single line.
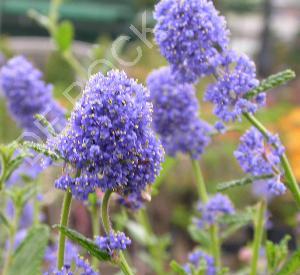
[[96, 227], [63, 222], [107, 227], [213, 229], [258, 234]]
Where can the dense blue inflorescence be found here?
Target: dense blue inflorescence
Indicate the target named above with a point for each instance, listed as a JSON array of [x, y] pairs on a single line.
[[259, 158], [235, 78], [27, 95], [216, 206], [176, 115], [195, 259], [109, 138], [191, 35], [113, 242]]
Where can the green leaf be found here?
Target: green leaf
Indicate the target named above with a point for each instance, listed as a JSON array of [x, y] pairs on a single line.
[[167, 166], [139, 233], [41, 148], [291, 266], [64, 35], [241, 182], [5, 221], [272, 82], [199, 236], [177, 268], [276, 253], [28, 258], [84, 242], [46, 124]]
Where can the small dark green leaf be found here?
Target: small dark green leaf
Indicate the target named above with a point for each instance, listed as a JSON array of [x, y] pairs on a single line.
[[273, 81], [241, 182], [292, 265], [64, 35], [276, 253], [28, 258], [84, 242], [177, 268]]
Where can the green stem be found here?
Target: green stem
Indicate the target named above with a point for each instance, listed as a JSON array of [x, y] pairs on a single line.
[[200, 181], [107, 227], [96, 227], [105, 210], [12, 237], [75, 64], [291, 180], [63, 222], [2, 171], [258, 234], [213, 230]]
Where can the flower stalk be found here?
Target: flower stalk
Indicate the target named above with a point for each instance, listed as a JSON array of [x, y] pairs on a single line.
[[64, 223], [124, 266], [213, 229], [258, 235]]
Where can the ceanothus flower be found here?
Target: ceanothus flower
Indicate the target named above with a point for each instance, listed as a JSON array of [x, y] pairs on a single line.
[[82, 267], [176, 115], [71, 252], [195, 259], [191, 35], [260, 157], [235, 78], [27, 95], [217, 206], [132, 201], [109, 139], [113, 242]]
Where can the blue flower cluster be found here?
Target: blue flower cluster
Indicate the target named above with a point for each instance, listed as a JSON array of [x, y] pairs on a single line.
[[132, 201], [217, 206], [194, 39], [191, 35], [259, 158], [235, 79], [71, 252], [176, 115], [113, 242], [82, 267], [27, 95], [195, 259], [109, 138]]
